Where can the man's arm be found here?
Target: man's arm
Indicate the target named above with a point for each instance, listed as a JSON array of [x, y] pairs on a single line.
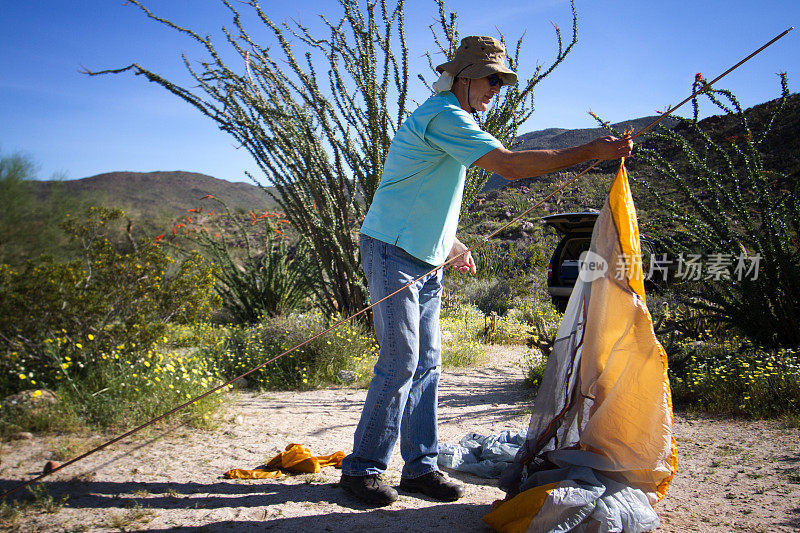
[[465, 263], [531, 163]]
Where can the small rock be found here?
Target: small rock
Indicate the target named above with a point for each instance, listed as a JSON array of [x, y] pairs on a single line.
[[22, 435], [241, 384], [447, 336], [31, 398], [239, 419], [49, 466], [346, 376]]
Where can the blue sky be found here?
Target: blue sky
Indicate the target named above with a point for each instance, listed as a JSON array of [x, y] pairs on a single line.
[[633, 57]]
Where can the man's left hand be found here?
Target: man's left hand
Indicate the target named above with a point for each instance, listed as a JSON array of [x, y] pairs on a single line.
[[463, 261]]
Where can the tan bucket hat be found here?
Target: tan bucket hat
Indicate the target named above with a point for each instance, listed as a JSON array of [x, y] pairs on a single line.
[[478, 57]]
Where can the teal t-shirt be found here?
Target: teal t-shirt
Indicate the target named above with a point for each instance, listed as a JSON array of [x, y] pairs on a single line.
[[418, 201]]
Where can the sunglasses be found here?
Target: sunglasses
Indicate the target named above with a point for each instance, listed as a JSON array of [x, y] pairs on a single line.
[[495, 79]]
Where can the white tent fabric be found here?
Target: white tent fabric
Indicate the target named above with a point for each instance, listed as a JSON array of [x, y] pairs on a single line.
[[599, 450]]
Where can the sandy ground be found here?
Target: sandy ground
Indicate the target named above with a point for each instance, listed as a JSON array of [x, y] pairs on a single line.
[[734, 475]]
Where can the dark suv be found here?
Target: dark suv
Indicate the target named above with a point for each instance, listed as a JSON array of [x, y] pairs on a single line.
[[576, 230]]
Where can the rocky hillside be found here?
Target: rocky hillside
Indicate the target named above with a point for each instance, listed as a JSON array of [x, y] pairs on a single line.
[[149, 194], [563, 138]]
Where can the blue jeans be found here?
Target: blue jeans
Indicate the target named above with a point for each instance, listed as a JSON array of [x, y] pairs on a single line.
[[403, 395]]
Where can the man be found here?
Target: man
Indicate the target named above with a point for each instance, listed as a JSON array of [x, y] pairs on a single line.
[[409, 229]]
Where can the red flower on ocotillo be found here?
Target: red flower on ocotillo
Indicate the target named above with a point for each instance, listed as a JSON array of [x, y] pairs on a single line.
[[158, 239], [207, 196], [698, 77]]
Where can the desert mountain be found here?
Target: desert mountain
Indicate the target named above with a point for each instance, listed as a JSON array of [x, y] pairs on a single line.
[[157, 193]]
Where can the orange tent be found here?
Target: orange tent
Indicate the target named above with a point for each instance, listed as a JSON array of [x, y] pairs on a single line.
[[599, 451]]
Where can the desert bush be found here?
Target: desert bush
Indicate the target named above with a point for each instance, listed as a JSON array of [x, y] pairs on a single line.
[[258, 272], [511, 328], [462, 328], [126, 386], [242, 348], [16, 198], [542, 318], [28, 222], [493, 295], [534, 364], [542, 322], [59, 319], [714, 369], [733, 377], [510, 259]]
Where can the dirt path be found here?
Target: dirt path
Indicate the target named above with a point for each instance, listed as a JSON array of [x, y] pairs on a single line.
[[734, 475]]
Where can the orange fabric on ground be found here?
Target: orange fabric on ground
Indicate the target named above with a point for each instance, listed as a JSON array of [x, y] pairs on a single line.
[[296, 459], [239, 473]]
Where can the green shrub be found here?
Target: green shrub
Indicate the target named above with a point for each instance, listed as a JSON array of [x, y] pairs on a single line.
[[511, 329], [462, 327], [28, 217], [348, 347], [258, 273], [56, 316], [493, 295], [509, 259], [726, 379], [126, 386], [543, 321], [95, 331], [534, 365]]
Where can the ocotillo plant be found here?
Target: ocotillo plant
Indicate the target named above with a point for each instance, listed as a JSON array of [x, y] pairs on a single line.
[[321, 139], [739, 218]]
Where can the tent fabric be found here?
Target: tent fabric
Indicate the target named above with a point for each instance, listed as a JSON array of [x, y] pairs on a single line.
[[484, 456], [601, 426], [297, 459], [583, 500]]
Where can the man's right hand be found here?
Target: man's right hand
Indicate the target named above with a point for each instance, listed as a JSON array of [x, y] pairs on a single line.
[[609, 147]]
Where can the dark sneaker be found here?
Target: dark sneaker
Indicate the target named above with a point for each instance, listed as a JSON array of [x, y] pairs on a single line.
[[370, 489], [434, 485]]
